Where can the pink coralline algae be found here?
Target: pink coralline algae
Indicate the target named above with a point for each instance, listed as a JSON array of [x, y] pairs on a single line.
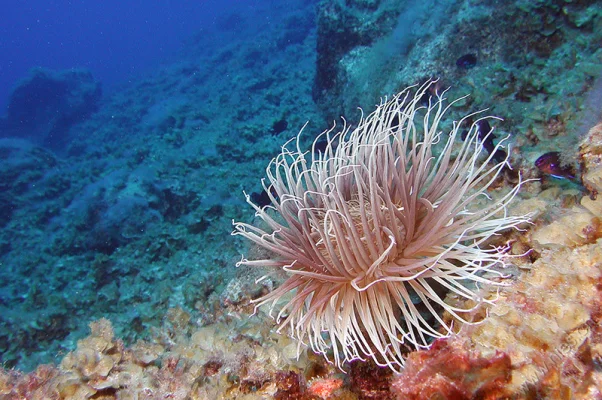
[[450, 370]]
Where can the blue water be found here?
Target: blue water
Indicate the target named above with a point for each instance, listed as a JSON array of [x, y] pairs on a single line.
[[116, 40]]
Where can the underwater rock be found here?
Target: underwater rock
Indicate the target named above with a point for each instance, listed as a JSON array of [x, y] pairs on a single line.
[[590, 154], [237, 360], [544, 321], [46, 104], [576, 227], [343, 26], [295, 29], [451, 370], [28, 175]]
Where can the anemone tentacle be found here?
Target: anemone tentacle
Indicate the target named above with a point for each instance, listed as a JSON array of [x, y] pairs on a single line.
[[378, 224]]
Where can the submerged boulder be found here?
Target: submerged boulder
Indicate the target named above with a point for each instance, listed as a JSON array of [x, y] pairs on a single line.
[[43, 106]]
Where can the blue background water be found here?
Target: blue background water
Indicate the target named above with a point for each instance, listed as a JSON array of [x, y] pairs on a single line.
[[114, 39]]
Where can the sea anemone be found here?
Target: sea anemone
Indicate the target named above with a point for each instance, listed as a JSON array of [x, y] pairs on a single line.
[[378, 228]]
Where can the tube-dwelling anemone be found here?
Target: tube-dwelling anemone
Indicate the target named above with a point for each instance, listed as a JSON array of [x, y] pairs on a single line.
[[376, 229]]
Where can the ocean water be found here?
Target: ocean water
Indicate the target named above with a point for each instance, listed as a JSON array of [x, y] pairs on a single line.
[[130, 132], [118, 41]]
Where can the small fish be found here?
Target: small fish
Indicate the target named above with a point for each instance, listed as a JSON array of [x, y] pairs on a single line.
[[486, 135], [467, 61], [551, 164], [320, 146], [262, 198], [279, 126]]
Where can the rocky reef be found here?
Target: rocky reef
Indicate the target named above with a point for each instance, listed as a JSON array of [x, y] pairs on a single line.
[[542, 338]]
